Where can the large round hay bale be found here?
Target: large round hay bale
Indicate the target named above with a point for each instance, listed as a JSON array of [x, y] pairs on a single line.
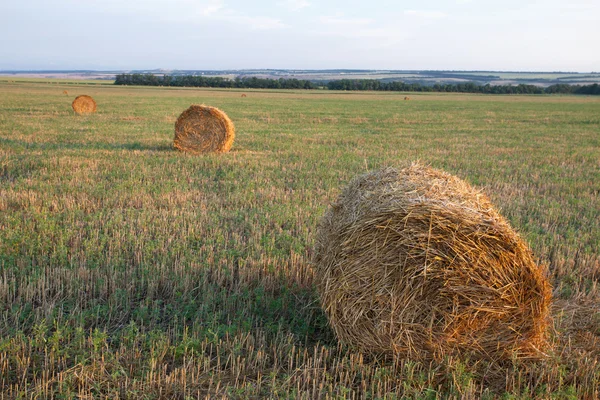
[[203, 129], [416, 263], [84, 104]]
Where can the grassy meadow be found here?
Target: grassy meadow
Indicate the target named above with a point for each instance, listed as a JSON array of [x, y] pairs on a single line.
[[131, 271]]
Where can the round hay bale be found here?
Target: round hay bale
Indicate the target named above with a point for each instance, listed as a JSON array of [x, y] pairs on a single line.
[[84, 104], [406, 98], [418, 264], [203, 129], [65, 92]]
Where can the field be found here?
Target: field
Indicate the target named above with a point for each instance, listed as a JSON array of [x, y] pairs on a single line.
[[129, 270]]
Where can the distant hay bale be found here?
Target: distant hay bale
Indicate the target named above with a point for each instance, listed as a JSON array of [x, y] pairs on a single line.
[[84, 104], [243, 95], [202, 129], [406, 98], [65, 92], [418, 264]]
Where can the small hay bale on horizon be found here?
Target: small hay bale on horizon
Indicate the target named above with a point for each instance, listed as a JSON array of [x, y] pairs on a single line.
[[406, 98], [203, 129], [416, 263], [65, 92], [244, 95], [84, 104]]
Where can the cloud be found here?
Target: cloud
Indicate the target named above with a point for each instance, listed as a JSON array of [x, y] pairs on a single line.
[[216, 10], [294, 5], [361, 30], [172, 8], [427, 14], [255, 23], [181, 11], [212, 7], [338, 22]]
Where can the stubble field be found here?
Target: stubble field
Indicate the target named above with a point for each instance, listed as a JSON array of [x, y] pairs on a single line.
[[130, 270]]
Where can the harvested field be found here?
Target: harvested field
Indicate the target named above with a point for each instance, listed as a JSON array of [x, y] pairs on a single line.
[[128, 269]]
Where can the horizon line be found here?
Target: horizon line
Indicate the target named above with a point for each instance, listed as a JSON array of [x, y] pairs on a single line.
[[290, 70]]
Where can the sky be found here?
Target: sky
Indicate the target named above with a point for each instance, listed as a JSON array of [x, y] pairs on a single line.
[[508, 35]]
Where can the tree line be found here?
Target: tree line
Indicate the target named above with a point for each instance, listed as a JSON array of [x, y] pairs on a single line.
[[466, 87], [212, 81], [347, 84]]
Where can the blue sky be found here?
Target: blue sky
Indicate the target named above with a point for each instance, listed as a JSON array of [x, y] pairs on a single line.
[[523, 35]]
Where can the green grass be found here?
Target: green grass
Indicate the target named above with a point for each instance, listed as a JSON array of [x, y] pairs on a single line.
[[129, 270]]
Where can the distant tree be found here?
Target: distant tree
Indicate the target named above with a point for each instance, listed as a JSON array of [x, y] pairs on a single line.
[[345, 84], [593, 89]]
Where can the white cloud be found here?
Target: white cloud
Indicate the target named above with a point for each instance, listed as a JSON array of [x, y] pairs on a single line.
[[338, 22], [212, 7], [151, 7], [183, 11], [428, 14], [216, 10], [294, 5], [256, 23], [364, 30]]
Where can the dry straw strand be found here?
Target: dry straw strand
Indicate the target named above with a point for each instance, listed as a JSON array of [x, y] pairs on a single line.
[[418, 264], [84, 104], [202, 129]]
